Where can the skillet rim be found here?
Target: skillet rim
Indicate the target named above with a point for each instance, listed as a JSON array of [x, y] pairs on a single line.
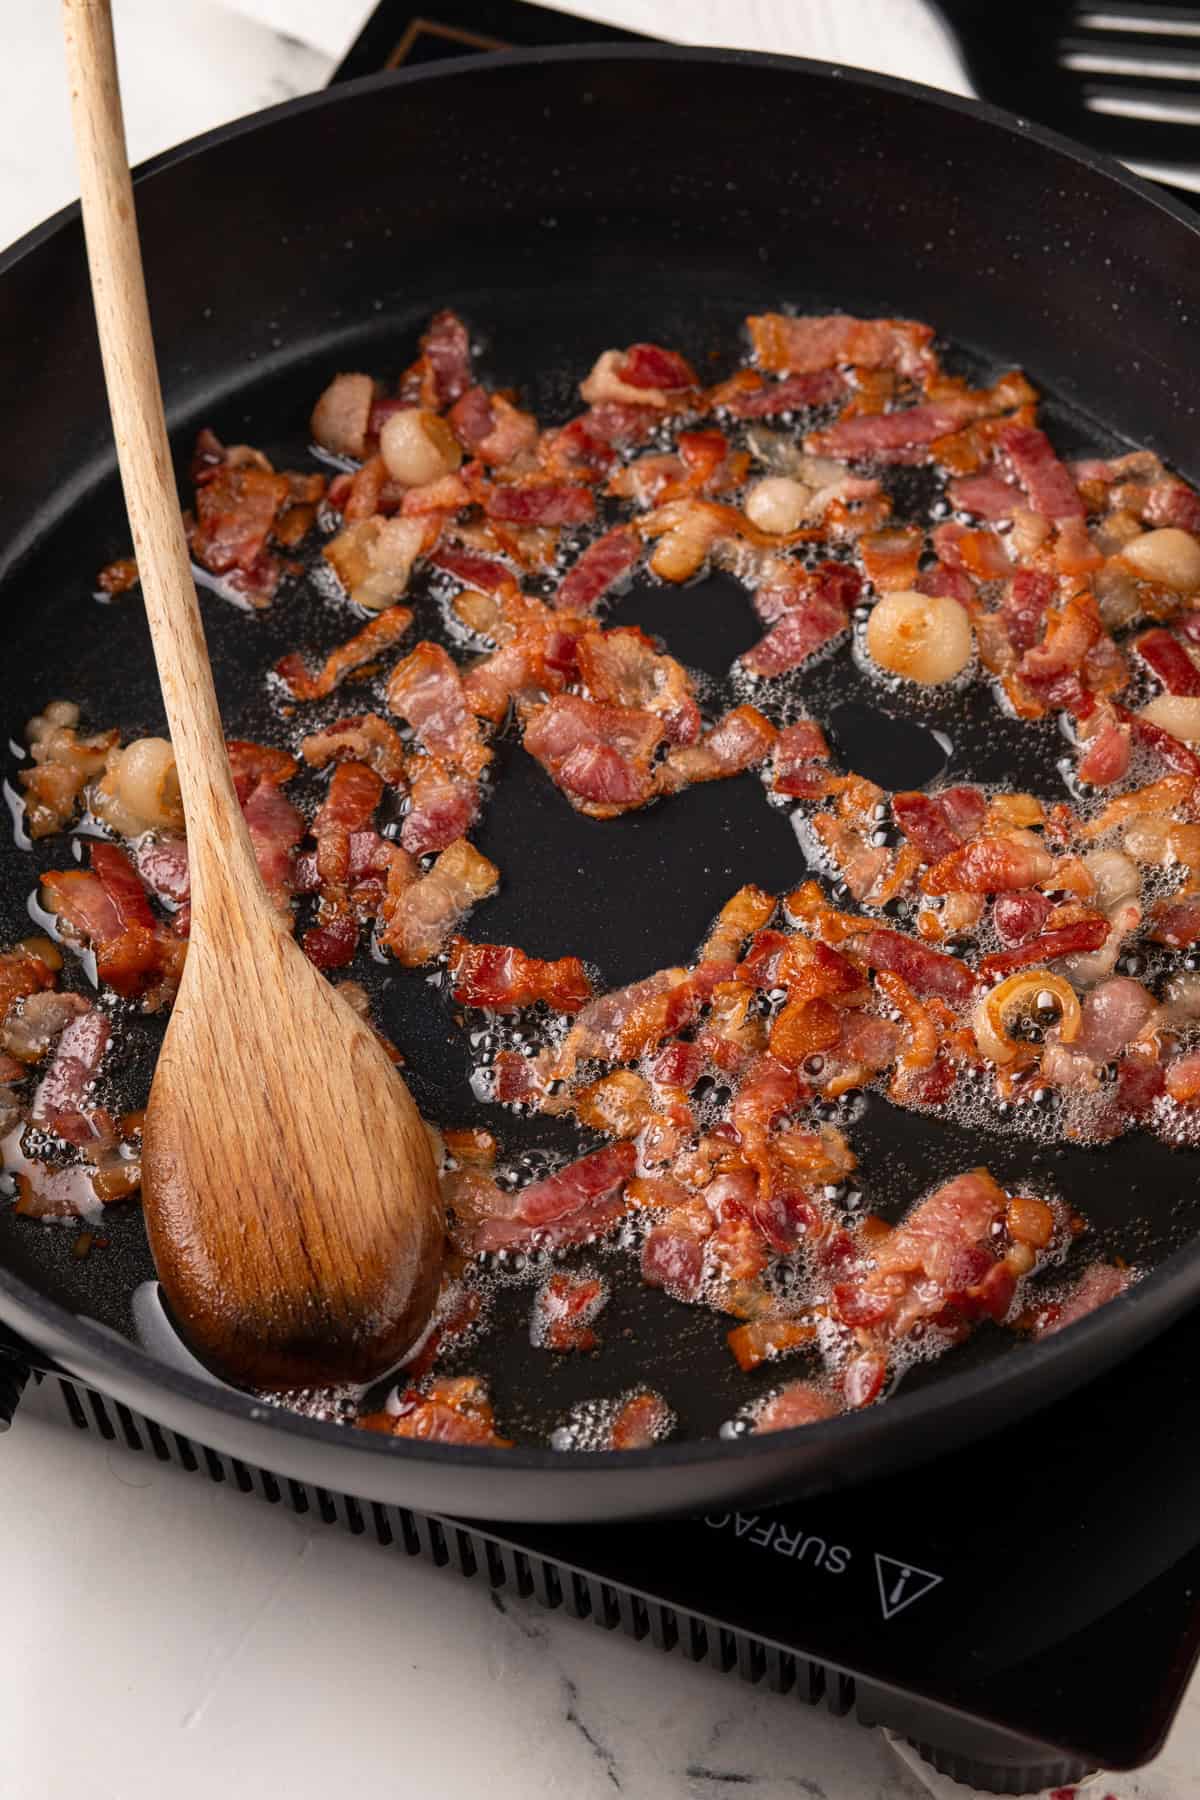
[[1165, 1292]]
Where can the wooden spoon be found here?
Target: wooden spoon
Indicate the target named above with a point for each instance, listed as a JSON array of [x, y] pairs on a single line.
[[289, 1186]]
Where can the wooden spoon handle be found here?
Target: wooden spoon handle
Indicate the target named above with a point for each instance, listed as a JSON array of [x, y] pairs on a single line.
[[217, 838]]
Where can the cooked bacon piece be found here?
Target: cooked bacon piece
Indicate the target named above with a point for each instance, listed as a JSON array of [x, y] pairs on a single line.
[[1166, 657], [420, 917], [673, 1252], [1098, 1284], [939, 824], [1107, 756], [940, 1264], [341, 418], [1176, 923], [238, 497], [63, 764], [767, 1339], [586, 448], [1182, 1078], [443, 806], [1065, 940], [23, 972], [787, 346], [454, 1410], [623, 1025], [60, 1101], [348, 808], [601, 566], [641, 1421], [892, 558], [598, 756], [275, 827], [1172, 502], [622, 668], [889, 436], [486, 573], [1020, 915], [1028, 452], [502, 978], [1113, 1014], [426, 689], [1172, 751], [926, 971], [787, 585], [802, 630], [980, 553], [747, 395], [583, 1200], [1023, 609], [540, 503], [987, 495], [490, 427], [800, 756], [747, 912], [106, 909], [799, 1403], [644, 374], [445, 361], [254, 763], [363, 738], [741, 740], [768, 1092], [990, 866], [951, 584], [564, 1311], [376, 636]]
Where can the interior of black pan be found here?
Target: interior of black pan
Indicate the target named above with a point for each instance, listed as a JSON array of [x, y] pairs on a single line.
[[674, 239]]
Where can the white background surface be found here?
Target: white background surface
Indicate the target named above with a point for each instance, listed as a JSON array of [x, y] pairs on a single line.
[[166, 1640]]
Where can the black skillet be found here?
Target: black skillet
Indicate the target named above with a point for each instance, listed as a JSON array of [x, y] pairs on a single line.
[[565, 202]]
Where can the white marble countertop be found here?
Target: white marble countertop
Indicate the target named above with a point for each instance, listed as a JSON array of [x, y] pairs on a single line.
[[166, 1637]]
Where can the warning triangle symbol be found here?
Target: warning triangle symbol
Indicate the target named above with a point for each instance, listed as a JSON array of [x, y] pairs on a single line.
[[900, 1583]]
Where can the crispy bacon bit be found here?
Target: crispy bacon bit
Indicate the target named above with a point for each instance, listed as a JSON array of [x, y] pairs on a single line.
[[1098, 1284], [376, 636], [624, 1024], [420, 913], [364, 738], [1167, 658], [748, 396], [597, 571], [60, 1102], [741, 740], [541, 503], [767, 1339], [987, 495], [939, 824], [926, 971], [1107, 756], [644, 375], [641, 1421], [238, 497], [443, 806], [598, 756], [801, 632], [490, 427], [989, 866], [1176, 923], [446, 356], [888, 436], [747, 912], [1065, 940], [118, 577], [622, 668], [1028, 452], [1020, 915], [502, 978], [787, 346], [564, 1310], [800, 1403], [427, 690], [276, 828], [799, 765], [455, 1410], [107, 910], [583, 1200]]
